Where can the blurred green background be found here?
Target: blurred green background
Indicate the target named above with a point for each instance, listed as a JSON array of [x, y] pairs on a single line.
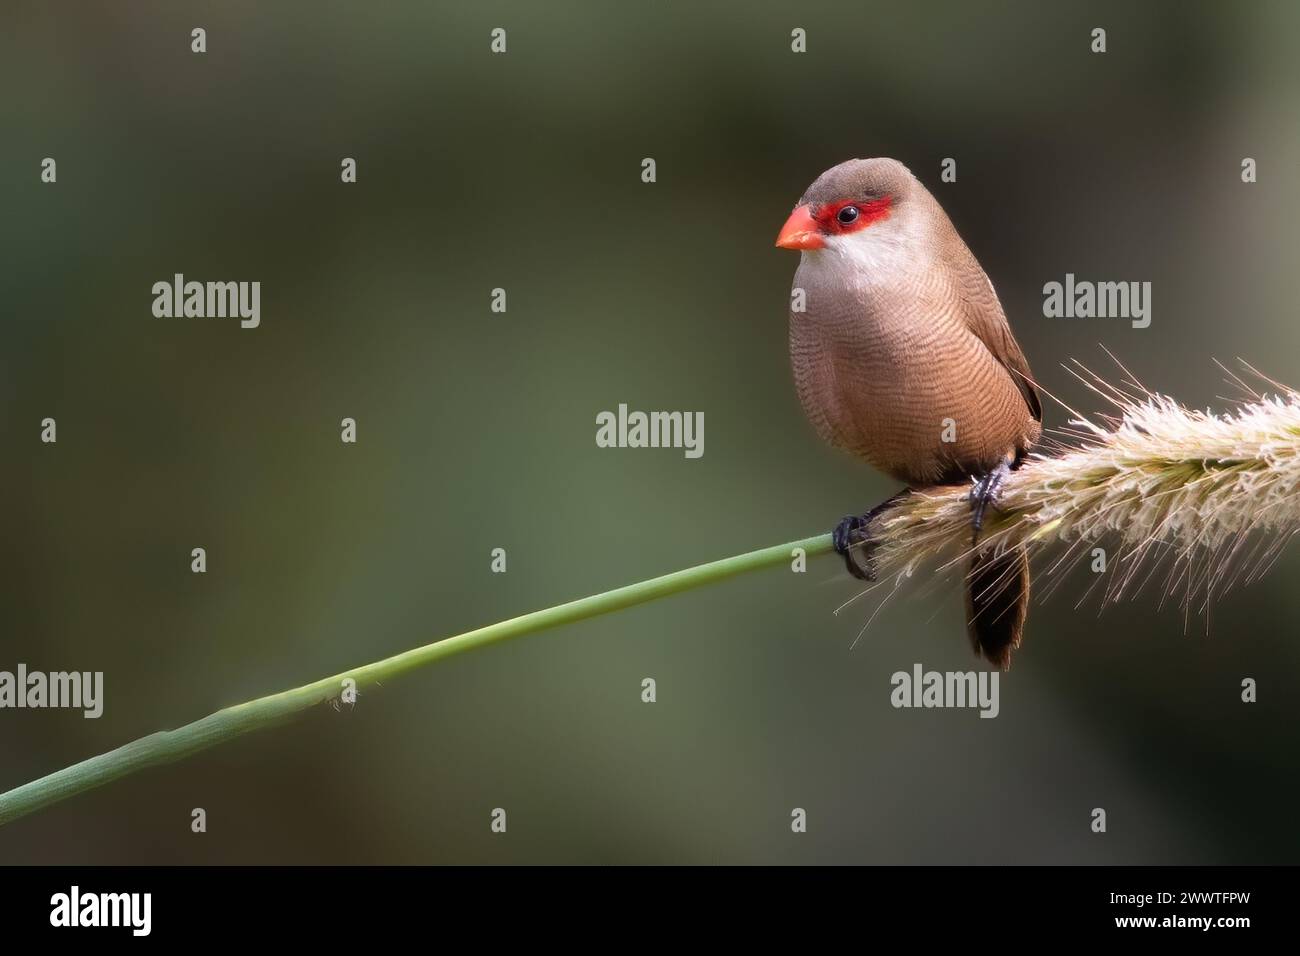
[[476, 430]]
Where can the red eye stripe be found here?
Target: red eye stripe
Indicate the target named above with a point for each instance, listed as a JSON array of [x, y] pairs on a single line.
[[869, 211]]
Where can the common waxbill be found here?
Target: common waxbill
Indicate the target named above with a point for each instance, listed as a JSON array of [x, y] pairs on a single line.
[[902, 356]]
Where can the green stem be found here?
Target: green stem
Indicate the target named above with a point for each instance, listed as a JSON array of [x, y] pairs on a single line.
[[169, 745]]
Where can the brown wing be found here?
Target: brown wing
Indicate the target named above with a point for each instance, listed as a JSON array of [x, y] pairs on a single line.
[[985, 318]]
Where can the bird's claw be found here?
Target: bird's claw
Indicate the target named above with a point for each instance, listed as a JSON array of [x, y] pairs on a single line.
[[985, 491], [853, 543]]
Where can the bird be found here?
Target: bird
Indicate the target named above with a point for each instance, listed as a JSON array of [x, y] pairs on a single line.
[[902, 356]]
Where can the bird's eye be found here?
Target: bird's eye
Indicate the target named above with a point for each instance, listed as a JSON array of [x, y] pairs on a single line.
[[847, 215]]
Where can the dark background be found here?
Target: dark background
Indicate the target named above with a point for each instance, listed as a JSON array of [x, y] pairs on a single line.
[[477, 430]]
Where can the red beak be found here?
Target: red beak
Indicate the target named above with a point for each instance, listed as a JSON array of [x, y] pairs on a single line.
[[800, 231]]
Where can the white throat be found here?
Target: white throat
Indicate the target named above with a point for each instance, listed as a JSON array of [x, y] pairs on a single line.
[[878, 253]]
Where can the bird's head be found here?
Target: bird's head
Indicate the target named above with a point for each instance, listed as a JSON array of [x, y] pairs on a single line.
[[849, 203]]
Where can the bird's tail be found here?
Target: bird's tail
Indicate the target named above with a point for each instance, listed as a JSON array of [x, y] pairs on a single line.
[[997, 603]]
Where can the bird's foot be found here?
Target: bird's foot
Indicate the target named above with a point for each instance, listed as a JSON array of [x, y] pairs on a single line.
[[855, 543], [986, 491]]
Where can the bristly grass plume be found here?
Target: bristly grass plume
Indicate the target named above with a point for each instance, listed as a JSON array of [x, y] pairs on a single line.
[[1212, 498], [1159, 479]]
